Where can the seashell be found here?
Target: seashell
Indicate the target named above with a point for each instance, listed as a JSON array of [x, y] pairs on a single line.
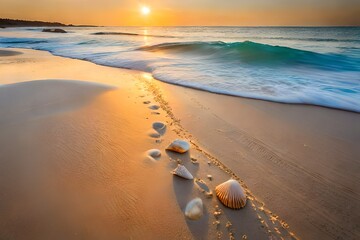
[[160, 127], [179, 146], [154, 153], [231, 194], [182, 171], [194, 209], [146, 102]]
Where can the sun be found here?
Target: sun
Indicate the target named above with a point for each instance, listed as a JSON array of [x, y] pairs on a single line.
[[145, 10]]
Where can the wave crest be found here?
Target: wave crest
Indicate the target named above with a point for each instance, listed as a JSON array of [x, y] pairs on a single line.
[[256, 53]]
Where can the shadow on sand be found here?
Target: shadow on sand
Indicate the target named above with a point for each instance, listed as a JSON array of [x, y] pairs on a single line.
[[184, 193], [244, 220]]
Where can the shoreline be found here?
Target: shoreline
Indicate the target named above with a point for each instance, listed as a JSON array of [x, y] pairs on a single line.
[[181, 106], [199, 89], [242, 97]]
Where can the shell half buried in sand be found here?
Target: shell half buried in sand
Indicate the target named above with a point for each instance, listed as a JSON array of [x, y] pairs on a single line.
[[194, 209], [231, 194], [179, 146], [182, 171]]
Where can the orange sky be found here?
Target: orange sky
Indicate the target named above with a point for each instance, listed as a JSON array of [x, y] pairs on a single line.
[[187, 12]]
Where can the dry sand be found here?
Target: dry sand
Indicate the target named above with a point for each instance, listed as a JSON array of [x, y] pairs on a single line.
[[72, 150]]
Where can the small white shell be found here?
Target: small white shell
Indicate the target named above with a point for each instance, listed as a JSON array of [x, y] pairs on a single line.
[[194, 209], [154, 153], [231, 194], [179, 146], [182, 171]]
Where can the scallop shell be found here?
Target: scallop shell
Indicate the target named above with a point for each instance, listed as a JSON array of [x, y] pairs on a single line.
[[194, 209], [231, 194], [179, 146], [154, 153], [182, 171]]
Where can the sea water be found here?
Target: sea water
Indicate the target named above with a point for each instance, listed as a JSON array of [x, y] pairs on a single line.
[[299, 65]]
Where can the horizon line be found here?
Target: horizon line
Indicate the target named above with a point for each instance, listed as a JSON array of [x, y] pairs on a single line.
[[95, 25]]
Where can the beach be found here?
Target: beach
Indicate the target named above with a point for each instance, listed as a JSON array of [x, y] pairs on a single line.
[[74, 149]]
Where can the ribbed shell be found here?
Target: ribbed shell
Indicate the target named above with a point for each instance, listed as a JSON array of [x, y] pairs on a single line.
[[194, 209], [231, 194], [179, 146], [182, 171]]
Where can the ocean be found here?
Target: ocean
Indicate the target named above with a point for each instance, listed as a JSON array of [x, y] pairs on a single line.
[[298, 65]]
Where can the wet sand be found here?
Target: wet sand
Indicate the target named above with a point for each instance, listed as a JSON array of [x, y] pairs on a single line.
[[6, 53], [302, 161], [74, 137]]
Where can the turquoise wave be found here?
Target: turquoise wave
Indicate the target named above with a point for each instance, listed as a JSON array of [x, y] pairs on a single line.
[[247, 68], [256, 53]]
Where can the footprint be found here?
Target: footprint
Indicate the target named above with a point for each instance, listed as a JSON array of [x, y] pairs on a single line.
[[153, 134], [154, 107], [217, 212], [159, 127], [154, 154], [194, 160], [203, 187]]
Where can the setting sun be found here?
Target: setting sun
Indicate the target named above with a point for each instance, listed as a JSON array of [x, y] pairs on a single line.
[[145, 10]]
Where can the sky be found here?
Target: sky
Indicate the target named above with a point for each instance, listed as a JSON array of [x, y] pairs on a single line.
[[187, 12]]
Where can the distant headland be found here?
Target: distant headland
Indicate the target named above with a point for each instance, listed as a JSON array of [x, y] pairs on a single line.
[[5, 22]]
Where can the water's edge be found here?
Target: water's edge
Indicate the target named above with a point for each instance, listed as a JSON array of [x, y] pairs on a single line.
[[194, 87]]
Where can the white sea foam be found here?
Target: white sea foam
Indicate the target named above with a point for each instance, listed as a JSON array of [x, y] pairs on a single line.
[[290, 65]]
